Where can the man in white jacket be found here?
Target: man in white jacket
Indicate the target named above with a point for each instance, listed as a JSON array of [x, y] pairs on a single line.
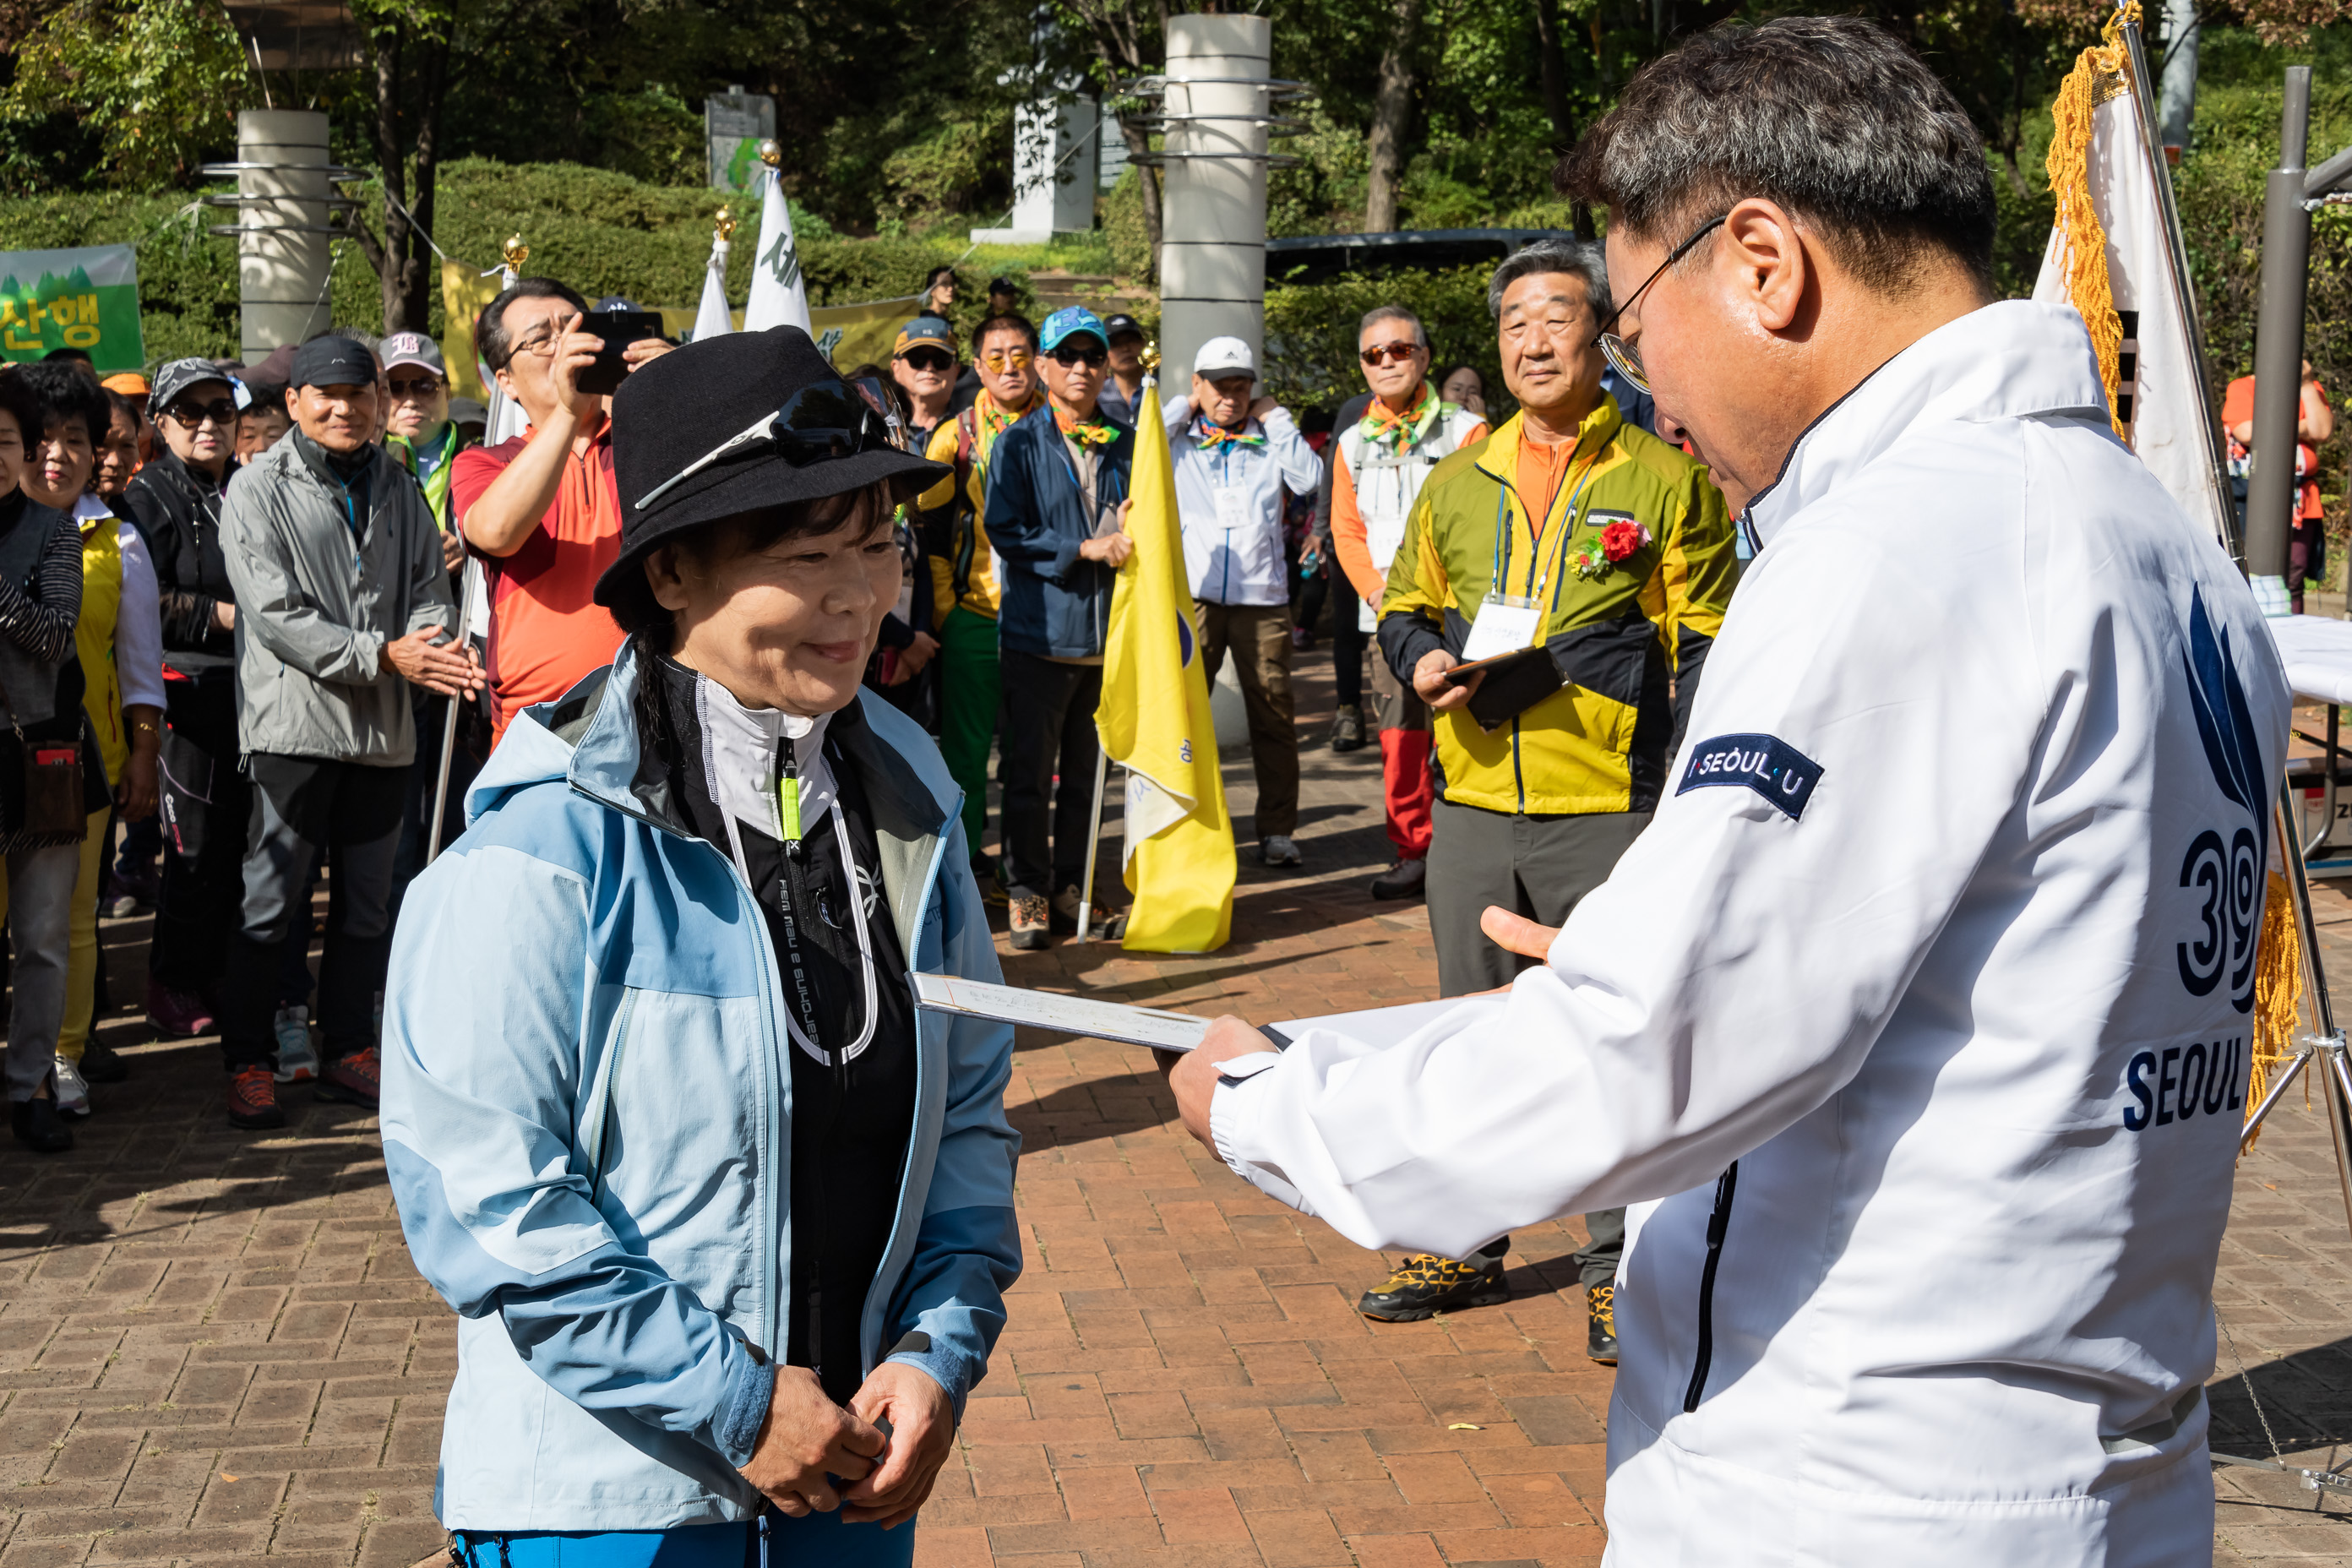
[[1915, 1025]]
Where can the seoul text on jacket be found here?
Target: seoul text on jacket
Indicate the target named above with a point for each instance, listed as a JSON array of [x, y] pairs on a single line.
[[587, 1121], [1945, 932], [1055, 605]]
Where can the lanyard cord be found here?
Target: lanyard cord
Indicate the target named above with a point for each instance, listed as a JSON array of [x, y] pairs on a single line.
[[1498, 571]]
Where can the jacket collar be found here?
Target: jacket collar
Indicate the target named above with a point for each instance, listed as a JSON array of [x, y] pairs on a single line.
[[1500, 459], [2014, 360]]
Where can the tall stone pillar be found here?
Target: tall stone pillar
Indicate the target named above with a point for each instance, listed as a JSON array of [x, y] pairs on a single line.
[[1212, 239], [282, 260]]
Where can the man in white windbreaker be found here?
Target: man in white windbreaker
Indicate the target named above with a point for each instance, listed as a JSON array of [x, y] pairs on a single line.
[[1915, 1025]]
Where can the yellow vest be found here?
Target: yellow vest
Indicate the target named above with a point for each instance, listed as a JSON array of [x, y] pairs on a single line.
[[102, 603]]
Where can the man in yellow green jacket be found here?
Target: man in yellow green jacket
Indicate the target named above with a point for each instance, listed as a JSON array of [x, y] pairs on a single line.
[[1568, 529]]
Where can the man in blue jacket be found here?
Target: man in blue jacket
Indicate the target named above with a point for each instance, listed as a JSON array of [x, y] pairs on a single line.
[[1057, 504]]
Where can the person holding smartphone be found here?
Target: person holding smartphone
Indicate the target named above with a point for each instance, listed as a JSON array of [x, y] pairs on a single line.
[[540, 508]]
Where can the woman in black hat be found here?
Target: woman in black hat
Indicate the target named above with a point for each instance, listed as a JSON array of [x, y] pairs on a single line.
[[728, 1221]]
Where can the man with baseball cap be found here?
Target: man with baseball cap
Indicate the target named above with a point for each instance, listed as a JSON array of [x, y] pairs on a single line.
[[417, 432], [1122, 391], [1237, 457], [923, 363], [341, 599], [1056, 509]]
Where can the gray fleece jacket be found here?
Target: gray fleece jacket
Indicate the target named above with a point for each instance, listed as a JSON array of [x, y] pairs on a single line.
[[326, 575]]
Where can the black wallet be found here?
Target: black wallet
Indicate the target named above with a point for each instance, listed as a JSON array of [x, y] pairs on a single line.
[[1515, 682]]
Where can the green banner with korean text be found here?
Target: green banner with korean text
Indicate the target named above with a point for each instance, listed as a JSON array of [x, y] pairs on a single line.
[[86, 298]]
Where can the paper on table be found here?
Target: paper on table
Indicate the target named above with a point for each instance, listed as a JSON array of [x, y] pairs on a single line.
[[1375, 1028]]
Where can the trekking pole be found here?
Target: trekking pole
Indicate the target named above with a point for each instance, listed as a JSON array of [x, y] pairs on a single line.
[[1094, 841], [449, 719]]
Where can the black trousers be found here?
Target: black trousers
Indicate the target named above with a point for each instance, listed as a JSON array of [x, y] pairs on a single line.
[[1047, 725], [197, 905], [303, 808]]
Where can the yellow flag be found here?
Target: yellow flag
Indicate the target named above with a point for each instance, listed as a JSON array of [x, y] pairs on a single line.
[[1154, 718], [463, 297]]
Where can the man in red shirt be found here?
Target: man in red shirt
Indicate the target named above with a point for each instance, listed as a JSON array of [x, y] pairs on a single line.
[[541, 508], [2314, 422]]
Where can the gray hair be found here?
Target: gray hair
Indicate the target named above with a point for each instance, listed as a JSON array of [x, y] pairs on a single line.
[[1830, 117], [1379, 313], [1576, 257]]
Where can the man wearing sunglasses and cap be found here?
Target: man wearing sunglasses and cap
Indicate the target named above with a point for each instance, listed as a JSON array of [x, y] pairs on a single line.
[[923, 364], [1056, 509], [1122, 392]]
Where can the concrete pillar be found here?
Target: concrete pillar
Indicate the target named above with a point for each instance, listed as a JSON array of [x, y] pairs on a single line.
[[2178, 77], [282, 259], [1212, 240], [1056, 154]]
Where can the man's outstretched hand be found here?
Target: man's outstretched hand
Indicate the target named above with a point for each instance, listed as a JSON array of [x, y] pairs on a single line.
[[1517, 933], [1193, 1074]]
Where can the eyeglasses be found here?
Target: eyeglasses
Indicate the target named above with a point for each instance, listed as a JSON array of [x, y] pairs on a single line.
[[1621, 354], [189, 415], [930, 359], [1093, 355], [1001, 360], [423, 387], [1392, 353], [817, 424], [541, 342]]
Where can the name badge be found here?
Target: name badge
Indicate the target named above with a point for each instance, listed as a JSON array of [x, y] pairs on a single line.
[[1506, 623], [1233, 509]]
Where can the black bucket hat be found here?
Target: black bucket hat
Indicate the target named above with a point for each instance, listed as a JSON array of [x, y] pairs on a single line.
[[695, 438]]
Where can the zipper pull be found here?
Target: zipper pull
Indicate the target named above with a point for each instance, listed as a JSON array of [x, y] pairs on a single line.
[[788, 798]]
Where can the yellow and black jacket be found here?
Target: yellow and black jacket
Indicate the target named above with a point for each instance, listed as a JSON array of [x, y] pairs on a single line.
[[1622, 633]]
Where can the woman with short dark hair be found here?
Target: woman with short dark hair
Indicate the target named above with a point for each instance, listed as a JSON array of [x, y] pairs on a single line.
[[728, 1219]]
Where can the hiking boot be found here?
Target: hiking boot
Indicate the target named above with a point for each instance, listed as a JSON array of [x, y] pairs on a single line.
[[1101, 925], [297, 1060], [1278, 849], [1347, 729], [73, 1094], [1029, 921], [37, 1126], [1600, 1326], [1425, 1283], [252, 1100], [353, 1079], [103, 1064], [1405, 879], [177, 1013]]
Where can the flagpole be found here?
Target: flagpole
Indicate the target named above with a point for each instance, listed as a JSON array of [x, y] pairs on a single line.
[[449, 719], [1102, 757]]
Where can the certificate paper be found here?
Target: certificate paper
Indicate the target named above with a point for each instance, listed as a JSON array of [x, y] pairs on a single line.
[[1377, 1027]]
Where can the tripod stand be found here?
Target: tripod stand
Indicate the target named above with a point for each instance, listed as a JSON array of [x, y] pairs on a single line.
[[2323, 1052]]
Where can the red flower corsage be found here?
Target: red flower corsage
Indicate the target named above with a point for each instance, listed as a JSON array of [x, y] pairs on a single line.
[[1619, 540]]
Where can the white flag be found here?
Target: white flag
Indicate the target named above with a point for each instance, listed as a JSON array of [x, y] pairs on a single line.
[[2160, 407], [711, 318], [779, 298]]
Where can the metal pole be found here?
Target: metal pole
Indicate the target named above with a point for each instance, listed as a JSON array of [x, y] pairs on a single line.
[[2278, 349], [1094, 840], [449, 719], [2336, 1102]]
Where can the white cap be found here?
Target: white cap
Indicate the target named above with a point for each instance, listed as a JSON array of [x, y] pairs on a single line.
[[1224, 356]]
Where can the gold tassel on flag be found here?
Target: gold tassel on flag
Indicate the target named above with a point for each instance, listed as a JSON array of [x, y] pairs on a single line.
[[2278, 995], [2101, 72]]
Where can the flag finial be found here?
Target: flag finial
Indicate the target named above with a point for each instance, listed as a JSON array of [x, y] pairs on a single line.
[[771, 153], [516, 252], [726, 225]]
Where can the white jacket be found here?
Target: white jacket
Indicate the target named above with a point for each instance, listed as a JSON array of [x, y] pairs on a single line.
[[1230, 504], [1951, 910]]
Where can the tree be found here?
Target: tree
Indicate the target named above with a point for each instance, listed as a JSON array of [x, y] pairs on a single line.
[[1127, 41], [159, 81], [1392, 103], [410, 45]]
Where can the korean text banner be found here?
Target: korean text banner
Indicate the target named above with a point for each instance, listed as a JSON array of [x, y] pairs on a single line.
[[86, 298]]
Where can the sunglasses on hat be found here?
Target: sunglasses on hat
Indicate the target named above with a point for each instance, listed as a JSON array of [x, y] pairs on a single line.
[[818, 423]]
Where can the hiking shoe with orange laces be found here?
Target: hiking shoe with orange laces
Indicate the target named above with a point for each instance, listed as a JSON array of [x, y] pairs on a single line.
[[1028, 920], [1601, 1328], [1425, 1283], [252, 1100], [354, 1079]]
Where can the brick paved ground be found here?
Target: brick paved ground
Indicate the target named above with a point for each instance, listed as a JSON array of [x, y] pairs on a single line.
[[212, 1347]]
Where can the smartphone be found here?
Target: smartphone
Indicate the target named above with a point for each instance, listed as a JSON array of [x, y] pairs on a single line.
[[618, 328]]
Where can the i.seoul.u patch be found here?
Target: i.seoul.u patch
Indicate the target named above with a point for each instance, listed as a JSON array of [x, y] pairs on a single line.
[[1772, 767]]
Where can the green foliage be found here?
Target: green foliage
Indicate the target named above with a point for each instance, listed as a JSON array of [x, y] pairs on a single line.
[[1122, 227], [1312, 332], [944, 171], [158, 81], [652, 135]]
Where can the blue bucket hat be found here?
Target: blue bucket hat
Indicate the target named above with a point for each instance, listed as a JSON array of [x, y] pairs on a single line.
[[1068, 322]]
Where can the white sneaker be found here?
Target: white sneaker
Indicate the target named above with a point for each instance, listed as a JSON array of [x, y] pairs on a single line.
[[73, 1091], [297, 1060], [1276, 849]]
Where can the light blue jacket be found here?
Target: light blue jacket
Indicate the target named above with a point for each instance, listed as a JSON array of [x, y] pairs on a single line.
[[587, 1116]]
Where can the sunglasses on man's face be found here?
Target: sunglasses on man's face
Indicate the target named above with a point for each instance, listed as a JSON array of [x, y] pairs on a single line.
[[1093, 355], [423, 386], [930, 359], [191, 414], [1001, 360], [1390, 353]]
